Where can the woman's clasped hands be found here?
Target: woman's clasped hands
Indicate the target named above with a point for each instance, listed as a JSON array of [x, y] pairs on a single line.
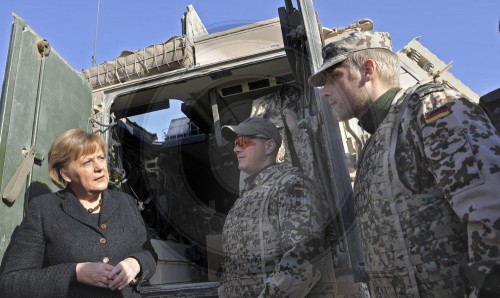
[[108, 276]]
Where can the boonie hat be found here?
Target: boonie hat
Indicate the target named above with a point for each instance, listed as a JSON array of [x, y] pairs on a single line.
[[253, 126], [349, 42]]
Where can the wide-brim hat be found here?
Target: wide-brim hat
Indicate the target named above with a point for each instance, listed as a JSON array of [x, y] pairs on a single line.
[[348, 42], [251, 127]]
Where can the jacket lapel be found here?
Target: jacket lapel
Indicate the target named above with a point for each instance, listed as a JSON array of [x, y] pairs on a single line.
[[110, 203], [72, 207]]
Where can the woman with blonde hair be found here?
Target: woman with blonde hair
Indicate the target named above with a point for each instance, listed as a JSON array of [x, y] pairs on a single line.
[[82, 241]]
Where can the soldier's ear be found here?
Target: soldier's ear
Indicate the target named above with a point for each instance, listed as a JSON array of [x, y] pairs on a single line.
[[270, 146], [368, 70]]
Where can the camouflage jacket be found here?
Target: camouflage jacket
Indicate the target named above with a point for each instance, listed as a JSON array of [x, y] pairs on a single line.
[[274, 239], [427, 198]]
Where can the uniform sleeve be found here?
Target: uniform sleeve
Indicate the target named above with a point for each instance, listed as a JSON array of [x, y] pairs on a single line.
[[302, 238], [22, 273], [463, 152]]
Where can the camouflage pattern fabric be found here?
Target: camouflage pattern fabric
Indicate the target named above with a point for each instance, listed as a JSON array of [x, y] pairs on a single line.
[[269, 107], [426, 196], [274, 239], [348, 42]]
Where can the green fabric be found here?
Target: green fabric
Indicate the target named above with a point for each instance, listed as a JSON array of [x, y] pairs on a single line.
[[377, 112]]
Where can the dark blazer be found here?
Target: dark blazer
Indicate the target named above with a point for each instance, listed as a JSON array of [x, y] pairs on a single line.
[[57, 233]]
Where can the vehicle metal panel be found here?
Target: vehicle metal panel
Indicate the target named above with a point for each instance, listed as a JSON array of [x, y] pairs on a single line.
[[42, 96]]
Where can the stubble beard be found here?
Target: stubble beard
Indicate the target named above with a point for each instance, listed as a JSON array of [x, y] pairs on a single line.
[[353, 104]]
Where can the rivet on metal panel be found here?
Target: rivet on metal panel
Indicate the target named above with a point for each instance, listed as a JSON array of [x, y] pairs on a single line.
[[25, 151], [39, 158], [43, 47]]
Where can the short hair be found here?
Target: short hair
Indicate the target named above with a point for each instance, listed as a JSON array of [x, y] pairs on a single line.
[[69, 146], [386, 60]]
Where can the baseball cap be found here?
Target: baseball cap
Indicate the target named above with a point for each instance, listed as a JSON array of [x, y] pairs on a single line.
[[253, 126], [349, 42]]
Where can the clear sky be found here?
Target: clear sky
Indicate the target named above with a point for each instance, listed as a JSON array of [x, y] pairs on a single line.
[[463, 31]]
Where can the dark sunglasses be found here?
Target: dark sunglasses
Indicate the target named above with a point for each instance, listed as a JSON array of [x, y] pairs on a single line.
[[247, 141]]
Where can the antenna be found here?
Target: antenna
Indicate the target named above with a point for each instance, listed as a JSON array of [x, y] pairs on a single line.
[[96, 29]]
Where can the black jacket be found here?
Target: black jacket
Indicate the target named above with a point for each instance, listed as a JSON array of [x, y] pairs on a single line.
[[57, 233]]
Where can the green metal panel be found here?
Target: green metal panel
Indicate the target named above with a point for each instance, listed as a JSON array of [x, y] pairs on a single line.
[[42, 96]]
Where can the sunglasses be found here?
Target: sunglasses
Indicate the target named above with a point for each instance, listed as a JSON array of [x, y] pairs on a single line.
[[246, 141]]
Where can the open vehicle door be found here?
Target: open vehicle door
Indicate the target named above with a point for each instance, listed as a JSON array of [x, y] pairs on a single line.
[[42, 96]]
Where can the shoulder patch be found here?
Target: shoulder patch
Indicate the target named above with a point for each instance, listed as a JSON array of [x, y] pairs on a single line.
[[436, 114]]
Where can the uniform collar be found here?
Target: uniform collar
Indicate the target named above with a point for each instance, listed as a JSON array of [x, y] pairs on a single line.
[[260, 177], [378, 111], [265, 174]]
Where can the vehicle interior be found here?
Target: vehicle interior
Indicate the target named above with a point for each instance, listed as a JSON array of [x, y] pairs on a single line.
[[186, 180]]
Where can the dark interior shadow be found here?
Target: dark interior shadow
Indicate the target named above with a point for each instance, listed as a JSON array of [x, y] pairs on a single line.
[[36, 189], [7, 203]]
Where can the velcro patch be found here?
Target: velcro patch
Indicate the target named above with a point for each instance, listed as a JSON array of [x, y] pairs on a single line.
[[436, 114]]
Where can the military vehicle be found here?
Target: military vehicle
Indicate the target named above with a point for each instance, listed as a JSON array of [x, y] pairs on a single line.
[[185, 183]]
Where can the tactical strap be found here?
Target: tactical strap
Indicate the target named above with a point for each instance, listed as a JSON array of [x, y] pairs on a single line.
[[407, 96], [215, 114], [13, 188], [291, 146], [412, 94], [271, 192]]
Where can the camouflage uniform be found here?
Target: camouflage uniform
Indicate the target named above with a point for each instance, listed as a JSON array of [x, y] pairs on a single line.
[[274, 239], [426, 195]]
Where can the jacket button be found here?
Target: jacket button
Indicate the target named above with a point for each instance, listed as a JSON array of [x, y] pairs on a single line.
[[102, 240], [103, 226], [105, 260]]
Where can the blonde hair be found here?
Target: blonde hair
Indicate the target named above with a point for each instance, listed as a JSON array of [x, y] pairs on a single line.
[[69, 146], [387, 64]]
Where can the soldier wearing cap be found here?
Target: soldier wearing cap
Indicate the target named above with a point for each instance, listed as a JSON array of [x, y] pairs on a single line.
[[426, 189], [274, 241]]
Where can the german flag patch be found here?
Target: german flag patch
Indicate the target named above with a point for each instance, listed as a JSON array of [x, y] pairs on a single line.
[[436, 114]]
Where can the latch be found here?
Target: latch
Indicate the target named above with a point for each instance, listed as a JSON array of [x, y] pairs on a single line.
[[39, 157]]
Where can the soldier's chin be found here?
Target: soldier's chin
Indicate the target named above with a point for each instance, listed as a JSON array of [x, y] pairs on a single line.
[[241, 167]]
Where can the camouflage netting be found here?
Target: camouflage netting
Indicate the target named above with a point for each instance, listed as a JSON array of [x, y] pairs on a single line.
[[172, 54]]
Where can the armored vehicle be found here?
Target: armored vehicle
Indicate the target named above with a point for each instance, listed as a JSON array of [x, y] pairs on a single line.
[[186, 180]]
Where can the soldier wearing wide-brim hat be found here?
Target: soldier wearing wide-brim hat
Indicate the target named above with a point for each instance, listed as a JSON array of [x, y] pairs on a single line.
[[425, 192]]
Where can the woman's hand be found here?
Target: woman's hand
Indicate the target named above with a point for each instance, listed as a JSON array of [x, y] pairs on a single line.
[[123, 273], [93, 274]]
